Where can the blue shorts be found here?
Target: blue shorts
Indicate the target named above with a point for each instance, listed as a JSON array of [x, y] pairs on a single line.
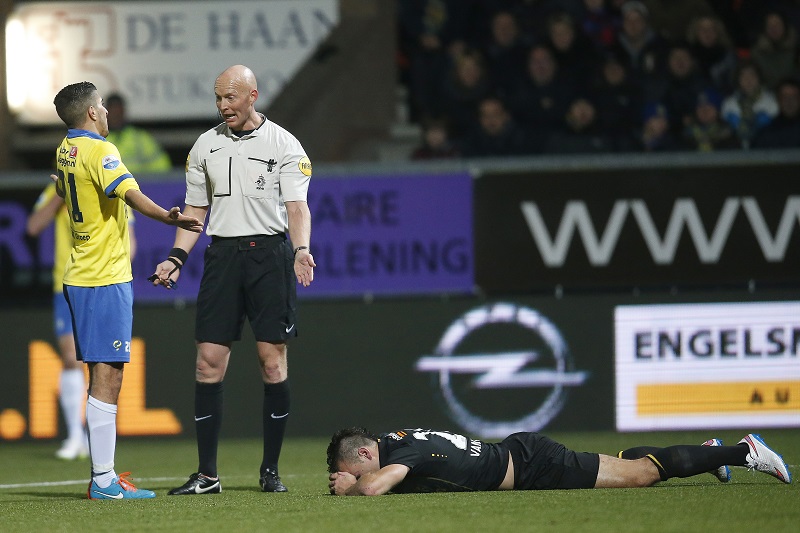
[[62, 319], [103, 322]]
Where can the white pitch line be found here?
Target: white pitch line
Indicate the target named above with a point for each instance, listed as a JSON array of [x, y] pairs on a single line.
[[85, 481]]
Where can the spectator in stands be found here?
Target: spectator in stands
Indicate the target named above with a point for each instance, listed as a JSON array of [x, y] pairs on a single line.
[[141, 152], [669, 17], [533, 14], [497, 134], [466, 85], [431, 31], [775, 50], [618, 103], [678, 87], [600, 23], [436, 142], [637, 45], [706, 131], [572, 50], [713, 51], [751, 106], [784, 130], [540, 101], [581, 132], [656, 134], [505, 52]]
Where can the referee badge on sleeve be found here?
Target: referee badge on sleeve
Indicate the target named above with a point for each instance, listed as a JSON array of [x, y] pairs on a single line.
[[305, 166]]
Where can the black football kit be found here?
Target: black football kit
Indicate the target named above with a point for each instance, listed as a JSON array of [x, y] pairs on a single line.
[[440, 461]]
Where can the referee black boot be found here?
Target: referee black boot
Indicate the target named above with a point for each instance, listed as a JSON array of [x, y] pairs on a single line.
[[198, 484], [271, 482]]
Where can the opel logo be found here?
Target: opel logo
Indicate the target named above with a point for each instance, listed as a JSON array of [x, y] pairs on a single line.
[[503, 370]]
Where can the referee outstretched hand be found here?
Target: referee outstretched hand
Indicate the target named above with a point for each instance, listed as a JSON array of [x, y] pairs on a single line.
[[304, 267]]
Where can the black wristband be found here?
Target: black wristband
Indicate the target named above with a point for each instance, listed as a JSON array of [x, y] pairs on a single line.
[[179, 253], [301, 248]]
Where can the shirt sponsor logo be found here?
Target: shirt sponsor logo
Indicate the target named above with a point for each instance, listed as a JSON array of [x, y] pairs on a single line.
[[545, 364], [110, 162]]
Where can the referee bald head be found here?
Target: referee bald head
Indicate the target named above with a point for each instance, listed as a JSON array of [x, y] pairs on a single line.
[[236, 92]]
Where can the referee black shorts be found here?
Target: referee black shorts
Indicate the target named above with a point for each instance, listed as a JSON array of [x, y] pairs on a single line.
[[541, 463], [247, 276]]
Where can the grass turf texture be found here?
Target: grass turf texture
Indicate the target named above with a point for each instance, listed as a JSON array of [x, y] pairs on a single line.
[[41, 493]]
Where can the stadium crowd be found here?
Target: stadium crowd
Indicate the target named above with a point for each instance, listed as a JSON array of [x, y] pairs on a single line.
[[490, 78]]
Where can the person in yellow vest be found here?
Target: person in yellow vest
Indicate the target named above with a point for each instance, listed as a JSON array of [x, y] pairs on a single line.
[[50, 207], [141, 152]]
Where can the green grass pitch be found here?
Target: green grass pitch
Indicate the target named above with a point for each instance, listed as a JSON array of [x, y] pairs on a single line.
[[41, 493]]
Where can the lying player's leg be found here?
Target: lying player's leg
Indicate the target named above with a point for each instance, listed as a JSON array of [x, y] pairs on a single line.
[[625, 473]]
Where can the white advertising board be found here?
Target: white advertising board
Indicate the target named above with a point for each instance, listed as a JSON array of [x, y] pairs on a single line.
[[162, 56], [698, 366]]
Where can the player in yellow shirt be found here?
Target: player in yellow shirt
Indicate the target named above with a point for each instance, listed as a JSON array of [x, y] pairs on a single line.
[[96, 186], [49, 208]]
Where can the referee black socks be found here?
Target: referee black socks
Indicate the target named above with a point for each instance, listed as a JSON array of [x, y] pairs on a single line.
[[275, 416], [208, 421]]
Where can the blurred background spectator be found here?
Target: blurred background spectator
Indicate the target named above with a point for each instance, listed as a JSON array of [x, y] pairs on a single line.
[[669, 17], [436, 142], [751, 106], [677, 88], [540, 100], [140, 151], [705, 130], [775, 49], [496, 134], [656, 135], [580, 132], [784, 130], [713, 50]]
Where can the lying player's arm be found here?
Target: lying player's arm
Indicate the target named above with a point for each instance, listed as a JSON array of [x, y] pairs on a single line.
[[369, 484]]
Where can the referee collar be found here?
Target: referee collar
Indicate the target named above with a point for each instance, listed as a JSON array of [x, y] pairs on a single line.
[[248, 133]]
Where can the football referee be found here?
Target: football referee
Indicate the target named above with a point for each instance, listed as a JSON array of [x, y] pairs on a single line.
[[252, 176]]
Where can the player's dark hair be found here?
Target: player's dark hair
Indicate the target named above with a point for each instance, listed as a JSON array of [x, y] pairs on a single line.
[[345, 444], [72, 102]]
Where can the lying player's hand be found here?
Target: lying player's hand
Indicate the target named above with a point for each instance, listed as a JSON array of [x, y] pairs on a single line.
[[188, 223], [340, 482]]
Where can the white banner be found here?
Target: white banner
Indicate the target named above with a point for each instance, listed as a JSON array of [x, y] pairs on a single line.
[[699, 366], [162, 56]]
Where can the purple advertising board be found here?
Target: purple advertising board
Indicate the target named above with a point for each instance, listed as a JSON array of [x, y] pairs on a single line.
[[409, 234], [394, 235], [371, 235]]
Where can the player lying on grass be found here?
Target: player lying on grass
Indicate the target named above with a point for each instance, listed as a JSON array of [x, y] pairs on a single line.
[[421, 460]]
